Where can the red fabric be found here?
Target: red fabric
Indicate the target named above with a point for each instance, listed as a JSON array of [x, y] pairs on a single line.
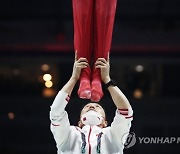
[[103, 26], [83, 20], [93, 26]]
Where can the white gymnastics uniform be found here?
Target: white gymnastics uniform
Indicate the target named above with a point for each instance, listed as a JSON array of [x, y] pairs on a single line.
[[89, 139]]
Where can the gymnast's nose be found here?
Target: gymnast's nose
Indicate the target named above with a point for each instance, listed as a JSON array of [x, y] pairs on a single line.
[[91, 107]]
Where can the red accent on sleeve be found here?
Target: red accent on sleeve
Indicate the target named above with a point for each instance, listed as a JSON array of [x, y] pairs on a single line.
[[68, 98], [128, 117], [123, 111], [54, 124], [125, 114]]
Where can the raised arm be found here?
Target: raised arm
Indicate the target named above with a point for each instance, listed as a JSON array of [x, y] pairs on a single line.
[[118, 97], [60, 125], [78, 65], [122, 120]]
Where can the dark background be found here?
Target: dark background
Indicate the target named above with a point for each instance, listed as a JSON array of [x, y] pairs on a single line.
[[33, 33]]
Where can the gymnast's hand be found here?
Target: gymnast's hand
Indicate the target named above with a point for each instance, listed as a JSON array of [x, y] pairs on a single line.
[[104, 66], [79, 64]]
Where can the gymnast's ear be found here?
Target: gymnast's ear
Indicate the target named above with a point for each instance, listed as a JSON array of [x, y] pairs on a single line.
[[80, 124], [104, 124]]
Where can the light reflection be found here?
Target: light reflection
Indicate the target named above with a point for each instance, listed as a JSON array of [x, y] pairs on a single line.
[[47, 77], [48, 84]]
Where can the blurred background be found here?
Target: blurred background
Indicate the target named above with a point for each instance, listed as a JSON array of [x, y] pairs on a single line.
[[36, 58]]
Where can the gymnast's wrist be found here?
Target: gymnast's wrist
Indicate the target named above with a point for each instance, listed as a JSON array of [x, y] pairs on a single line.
[[106, 80], [74, 78]]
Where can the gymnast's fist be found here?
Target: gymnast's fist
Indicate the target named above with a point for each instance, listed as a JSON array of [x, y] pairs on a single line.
[[79, 64], [104, 66]]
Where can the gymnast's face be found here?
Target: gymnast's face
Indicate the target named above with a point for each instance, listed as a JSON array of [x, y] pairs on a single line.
[[93, 106], [97, 108]]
